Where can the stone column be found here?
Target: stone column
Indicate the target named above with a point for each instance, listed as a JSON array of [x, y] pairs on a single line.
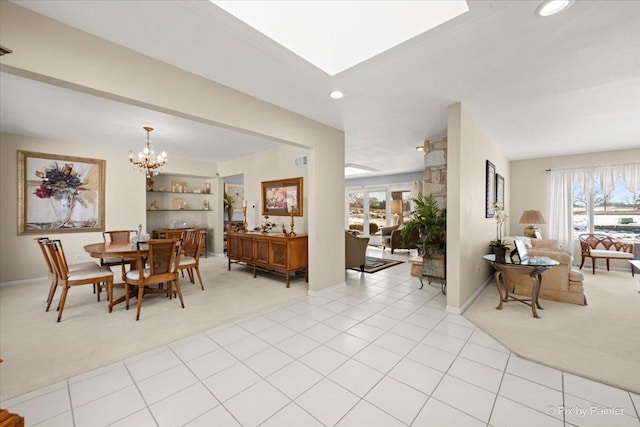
[[435, 170]]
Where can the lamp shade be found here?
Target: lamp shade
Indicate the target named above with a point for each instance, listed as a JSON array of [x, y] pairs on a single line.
[[396, 207], [532, 216]]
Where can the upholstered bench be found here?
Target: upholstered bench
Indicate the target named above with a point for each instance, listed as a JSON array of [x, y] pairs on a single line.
[[597, 246]]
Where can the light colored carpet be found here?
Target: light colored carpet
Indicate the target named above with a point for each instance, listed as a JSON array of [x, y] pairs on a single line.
[[600, 341], [37, 351]]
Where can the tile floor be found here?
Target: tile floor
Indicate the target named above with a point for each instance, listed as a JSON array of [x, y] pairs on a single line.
[[378, 352]]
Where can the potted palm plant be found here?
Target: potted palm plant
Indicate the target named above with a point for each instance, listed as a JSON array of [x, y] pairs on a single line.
[[430, 222]]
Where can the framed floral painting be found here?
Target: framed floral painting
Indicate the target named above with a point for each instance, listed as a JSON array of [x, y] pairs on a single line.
[[59, 194], [282, 197]]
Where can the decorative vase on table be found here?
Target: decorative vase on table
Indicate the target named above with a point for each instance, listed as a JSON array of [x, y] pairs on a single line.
[[500, 253], [230, 213]]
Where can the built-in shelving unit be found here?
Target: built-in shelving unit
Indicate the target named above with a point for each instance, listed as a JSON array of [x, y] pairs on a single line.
[[181, 201]]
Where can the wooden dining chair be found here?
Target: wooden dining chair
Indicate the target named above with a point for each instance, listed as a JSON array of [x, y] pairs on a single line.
[[163, 258], [53, 276], [115, 236], [190, 259], [67, 278]]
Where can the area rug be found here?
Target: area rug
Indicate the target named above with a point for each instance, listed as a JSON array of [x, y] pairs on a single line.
[[373, 264], [599, 341]]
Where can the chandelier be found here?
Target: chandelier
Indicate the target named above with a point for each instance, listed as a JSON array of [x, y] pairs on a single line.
[[147, 160]]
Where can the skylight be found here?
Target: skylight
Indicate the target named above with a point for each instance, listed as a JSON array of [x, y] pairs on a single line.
[[336, 35], [353, 169]]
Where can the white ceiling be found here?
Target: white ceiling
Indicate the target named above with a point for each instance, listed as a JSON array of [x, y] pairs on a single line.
[[541, 87]]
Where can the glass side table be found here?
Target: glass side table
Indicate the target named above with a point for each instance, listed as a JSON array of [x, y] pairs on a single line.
[[533, 267]]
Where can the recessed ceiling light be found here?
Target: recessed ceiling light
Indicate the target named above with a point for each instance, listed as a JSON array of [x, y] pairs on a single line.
[[420, 148], [551, 7], [336, 94]]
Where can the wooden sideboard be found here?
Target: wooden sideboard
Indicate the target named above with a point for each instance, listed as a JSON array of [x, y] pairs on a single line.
[[176, 233], [269, 252]]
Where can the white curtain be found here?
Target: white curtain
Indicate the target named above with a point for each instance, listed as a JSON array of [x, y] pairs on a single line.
[[606, 176], [416, 188], [561, 206], [561, 198]]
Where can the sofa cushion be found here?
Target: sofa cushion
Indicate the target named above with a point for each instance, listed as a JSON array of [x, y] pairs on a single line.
[[603, 253], [575, 276]]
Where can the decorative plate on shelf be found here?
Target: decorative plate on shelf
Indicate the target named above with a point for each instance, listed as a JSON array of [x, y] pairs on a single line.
[[179, 203]]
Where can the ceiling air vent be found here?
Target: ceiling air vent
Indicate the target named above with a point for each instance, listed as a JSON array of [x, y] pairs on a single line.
[[301, 161]]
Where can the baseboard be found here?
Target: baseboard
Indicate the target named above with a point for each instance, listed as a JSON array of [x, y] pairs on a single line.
[[326, 290], [460, 310]]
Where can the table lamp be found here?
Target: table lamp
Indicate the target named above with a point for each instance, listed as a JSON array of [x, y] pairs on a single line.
[[532, 217], [396, 211]]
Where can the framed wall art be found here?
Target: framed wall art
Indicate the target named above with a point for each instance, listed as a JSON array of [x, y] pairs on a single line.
[[490, 189], [236, 193], [500, 190], [60, 194], [283, 196]]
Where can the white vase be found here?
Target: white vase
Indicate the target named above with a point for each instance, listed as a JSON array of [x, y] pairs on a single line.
[[62, 203]]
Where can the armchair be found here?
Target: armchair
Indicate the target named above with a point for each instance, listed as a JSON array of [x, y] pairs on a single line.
[[392, 238], [559, 283], [355, 251]]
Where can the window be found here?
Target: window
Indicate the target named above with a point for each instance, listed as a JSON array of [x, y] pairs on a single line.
[[610, 206], [371, 209]]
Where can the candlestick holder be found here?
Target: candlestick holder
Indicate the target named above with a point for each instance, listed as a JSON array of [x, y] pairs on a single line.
[[292, 233], [244, 217]]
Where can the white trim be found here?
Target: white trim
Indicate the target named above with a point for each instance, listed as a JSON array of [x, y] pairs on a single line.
[[326, 290], [456, 310]]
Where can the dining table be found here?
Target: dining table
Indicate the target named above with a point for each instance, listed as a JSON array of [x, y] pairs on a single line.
[[115, 250]]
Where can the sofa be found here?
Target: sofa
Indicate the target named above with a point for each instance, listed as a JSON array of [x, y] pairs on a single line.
[[559, 283], [392, 238], [355, 250]]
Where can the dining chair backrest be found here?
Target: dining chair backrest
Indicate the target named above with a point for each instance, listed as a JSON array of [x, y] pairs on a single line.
[[42, 244], [58, 258], [201, 237], [117, 236], [163, 256], [189, 242]]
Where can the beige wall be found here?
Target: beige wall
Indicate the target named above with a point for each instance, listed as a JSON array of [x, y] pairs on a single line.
[[125, 202], [531, 185], [468, 231], [277, 163], [54, 53]]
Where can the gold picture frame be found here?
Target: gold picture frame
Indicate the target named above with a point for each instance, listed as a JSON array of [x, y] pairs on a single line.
[[280, 195], [60, 194]]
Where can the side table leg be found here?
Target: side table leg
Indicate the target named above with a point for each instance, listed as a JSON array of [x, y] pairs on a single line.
[[534, 294], [538, 294], [498, 278]]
